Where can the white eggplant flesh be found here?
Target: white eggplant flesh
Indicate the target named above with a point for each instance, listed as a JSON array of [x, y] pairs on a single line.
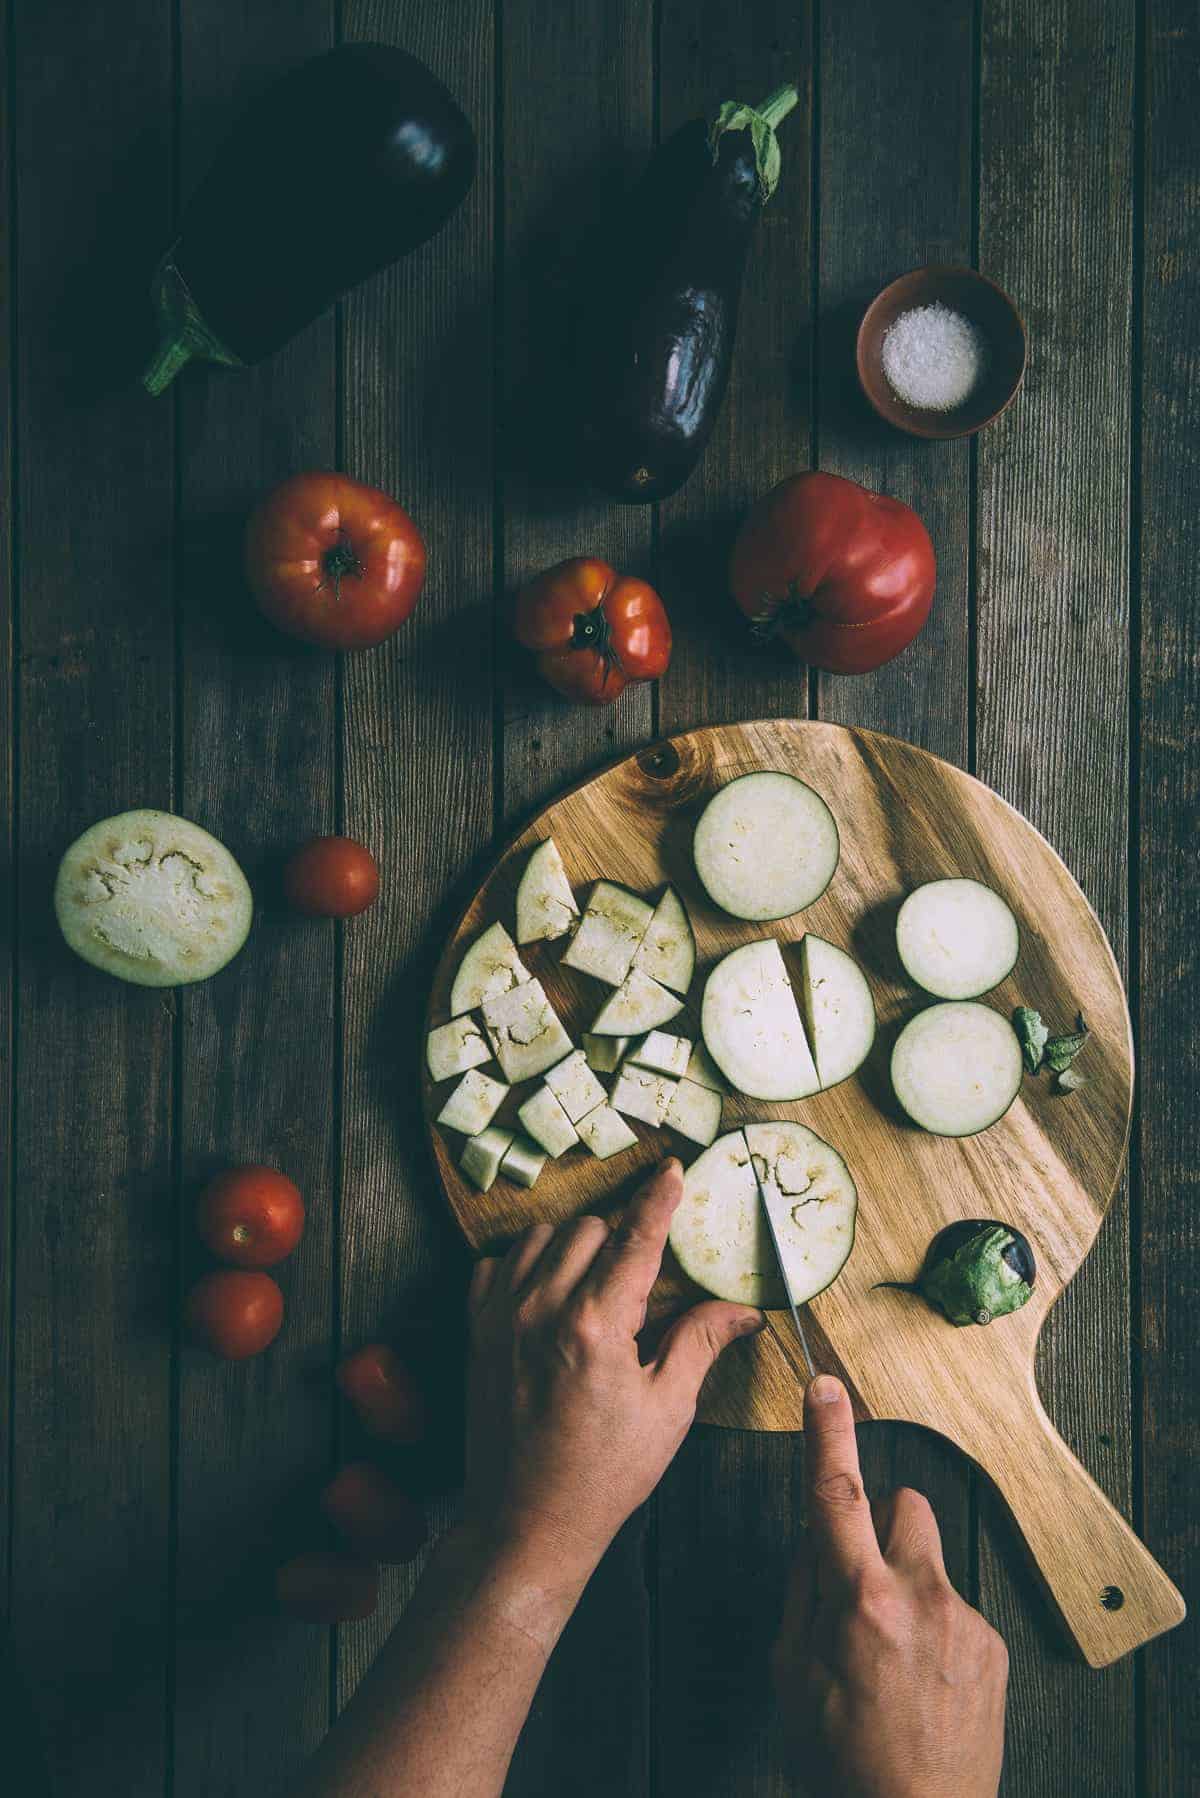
[[638, 1005], [483, 1155], [473, 1103], [839, 1012], [766, 846], [667, 952], [752, 1028], [605, 1132], [702, 1070], [719, 1231], [545, 1120], [639, 1093], [522, 1161], [491, 966], [695, 1111], [575, 1086], [956, 938], [956, 1068], [153, 899], [665, 1053], [526, 1034], [546, 907], [613, 925], [604, 1053], [454, 1047], [813, 1202]]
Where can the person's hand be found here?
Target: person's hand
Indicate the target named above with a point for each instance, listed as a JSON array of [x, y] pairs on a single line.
[[567, 1431], [890, 1685]]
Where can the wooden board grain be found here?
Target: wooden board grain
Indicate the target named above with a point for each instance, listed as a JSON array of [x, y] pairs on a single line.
[[1049, 1167]]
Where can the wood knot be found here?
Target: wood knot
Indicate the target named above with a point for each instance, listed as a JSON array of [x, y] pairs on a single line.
[[660, 761]]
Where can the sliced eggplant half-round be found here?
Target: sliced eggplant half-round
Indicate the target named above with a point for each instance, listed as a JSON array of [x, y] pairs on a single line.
[[766, 846], [667, 952], [813, 1202], [152, 899], [956, 1068], [638, 1005], [695, 1111], [956, 938], [546, 906], [491, 966], [839, 1012], [613, 925], [719, 1233], [752, 1028]]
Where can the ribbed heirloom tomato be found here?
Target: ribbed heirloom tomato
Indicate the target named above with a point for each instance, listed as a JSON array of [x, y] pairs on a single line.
[[333, 561], [593, 630]]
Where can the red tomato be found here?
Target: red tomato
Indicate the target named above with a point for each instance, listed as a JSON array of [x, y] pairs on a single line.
[[252, 1216], [328, 1586], [334, 562], [378, 1519], [234, 1314], [331, 877], [594, 630], [385, 1397], [843, 575]]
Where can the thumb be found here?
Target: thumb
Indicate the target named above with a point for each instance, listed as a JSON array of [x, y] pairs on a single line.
[[695, 1340]]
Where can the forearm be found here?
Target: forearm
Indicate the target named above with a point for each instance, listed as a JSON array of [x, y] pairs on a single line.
[[439, 1714]]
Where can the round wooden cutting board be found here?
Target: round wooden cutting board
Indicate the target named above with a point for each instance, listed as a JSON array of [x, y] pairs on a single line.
[[1050, 1166]]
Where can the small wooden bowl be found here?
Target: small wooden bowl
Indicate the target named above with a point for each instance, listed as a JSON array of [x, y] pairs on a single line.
[[994, 316]]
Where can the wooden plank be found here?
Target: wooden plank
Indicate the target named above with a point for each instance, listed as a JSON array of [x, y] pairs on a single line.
[[259, 1043], [1053, 655], [416, 730], [7, 799], [1168, 885], [575, 122], [92, 1353], [728, 1505]]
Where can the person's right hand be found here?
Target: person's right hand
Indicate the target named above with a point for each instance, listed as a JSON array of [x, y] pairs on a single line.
[[890, 1685]]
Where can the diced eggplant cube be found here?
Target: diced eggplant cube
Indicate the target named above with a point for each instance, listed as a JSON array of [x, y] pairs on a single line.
[[640, 1093], [575, 1086], [525, 1032], [695, 1111], [702, 1070], [604, 1052], [522, 1162], [482, 1155], [605, 1132], [547, 1122], [612, 926], [665, 1053], [454, 1047], [473, 1103]]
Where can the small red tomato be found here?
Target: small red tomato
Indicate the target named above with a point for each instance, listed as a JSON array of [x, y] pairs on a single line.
[[251, 1216], [334, 562], [593, 630], [385, 1397], [331, 877], [328, 1586], [234, 1314], [375, 1515]]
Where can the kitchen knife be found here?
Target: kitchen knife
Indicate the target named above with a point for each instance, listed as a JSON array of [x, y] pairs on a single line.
[[787, 1286]]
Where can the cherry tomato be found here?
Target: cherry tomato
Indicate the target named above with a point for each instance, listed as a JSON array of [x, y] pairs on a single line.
[[328, 1586], [234, 1314], [593, 630], [251, 1216], [375, 1515], [843, 575], [331, 877], [385, 1397], [334, 562]]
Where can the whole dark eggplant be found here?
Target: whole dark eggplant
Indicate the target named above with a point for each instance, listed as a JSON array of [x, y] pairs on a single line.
[[661, 341], [340, 167]]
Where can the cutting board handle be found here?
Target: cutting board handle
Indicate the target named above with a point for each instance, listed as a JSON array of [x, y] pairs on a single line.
[[1112, 1594]]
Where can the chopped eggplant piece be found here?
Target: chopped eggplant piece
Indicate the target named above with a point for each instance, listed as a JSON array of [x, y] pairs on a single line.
[[482, 1155], [454, 1047], [606, 1133], [640, 1093], [702, 1070], [546, 906], [575, 1086], [719, 1232], [639, 1004], [525, 1032], [604, 1053], [473, 1103], [839, 1012], [812, 1200], [609, 933], [522, 1161], [752, 1026], [695, 1111], [664, 1053], [547, 1122], [667, 952], [490, 966]]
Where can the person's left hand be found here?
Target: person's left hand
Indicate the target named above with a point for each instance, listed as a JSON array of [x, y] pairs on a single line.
[[567, 1432]]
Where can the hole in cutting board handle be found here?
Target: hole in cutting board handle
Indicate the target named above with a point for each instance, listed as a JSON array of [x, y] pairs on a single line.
[[1112, 1598], [660, 762]]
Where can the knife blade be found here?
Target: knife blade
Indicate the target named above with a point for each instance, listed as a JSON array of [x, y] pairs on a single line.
[[787, 1287]]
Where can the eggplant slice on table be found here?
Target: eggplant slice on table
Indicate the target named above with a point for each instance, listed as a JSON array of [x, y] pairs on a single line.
[[338, 169], [661, 338]]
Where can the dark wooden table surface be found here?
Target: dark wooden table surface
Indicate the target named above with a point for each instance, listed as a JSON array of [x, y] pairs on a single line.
[[1054, 142]]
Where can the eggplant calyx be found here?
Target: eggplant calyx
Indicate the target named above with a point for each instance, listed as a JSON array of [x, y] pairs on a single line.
[[184, 333], [760, 122], [337, 561]]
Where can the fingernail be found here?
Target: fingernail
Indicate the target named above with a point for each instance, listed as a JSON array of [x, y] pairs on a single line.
[[753, 1323], [672, 1164], [825, 1389]]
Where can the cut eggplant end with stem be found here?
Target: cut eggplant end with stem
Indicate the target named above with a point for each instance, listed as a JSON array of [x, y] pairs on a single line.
[[152, 899], [575, 1086], [664, 1053], [766, 845], [546, 907], [752, 1027], [839, 1012], [667, 952], [606, 1133], [547, 1123], [640, 1093], [522, 1161], [812, 1200], [483, 1154], [610, 931], [491, 966], [975, 1271], [604, 1053], [454, 1047], [956, 1068], [473, 1103], [638, 1005], [695, 1112], [956, 939], [526, 1034]]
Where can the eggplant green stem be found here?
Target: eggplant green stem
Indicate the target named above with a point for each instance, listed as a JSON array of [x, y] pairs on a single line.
[[184, 331], [760, 122]]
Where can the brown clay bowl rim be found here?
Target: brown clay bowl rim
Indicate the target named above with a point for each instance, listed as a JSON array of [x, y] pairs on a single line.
[[922, 284]]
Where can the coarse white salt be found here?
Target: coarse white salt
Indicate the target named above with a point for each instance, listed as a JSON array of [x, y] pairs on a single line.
[[932, 357]]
